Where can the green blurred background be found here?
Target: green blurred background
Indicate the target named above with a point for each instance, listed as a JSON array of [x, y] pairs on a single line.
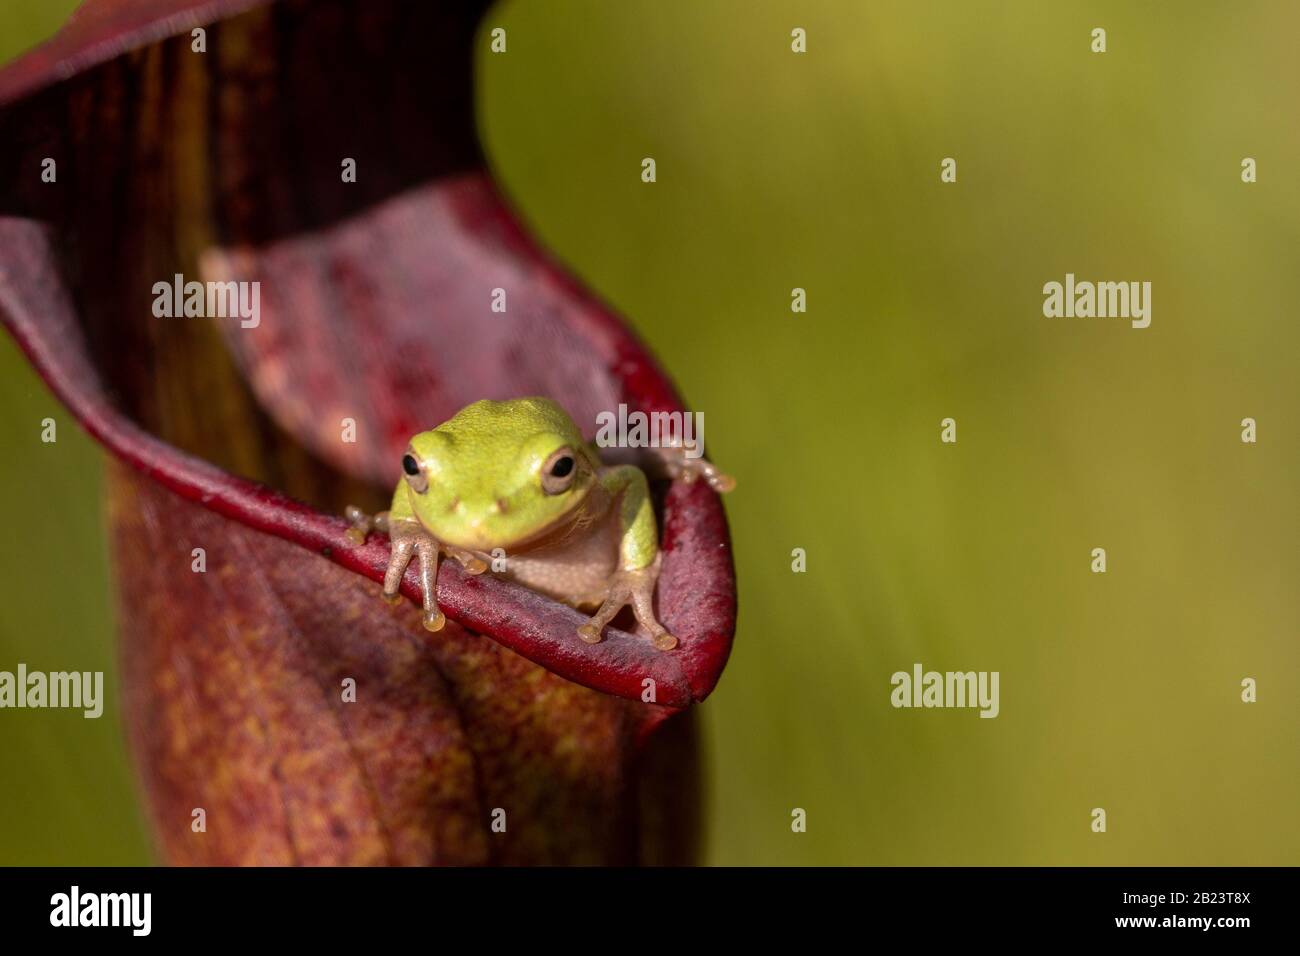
[[821, 170]]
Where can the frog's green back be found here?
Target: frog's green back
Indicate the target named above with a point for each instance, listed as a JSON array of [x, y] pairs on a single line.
[[512, 418]]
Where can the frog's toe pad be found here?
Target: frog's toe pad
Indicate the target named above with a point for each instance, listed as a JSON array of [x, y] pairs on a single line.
[[589, 633], [434, 621], [665, 641]]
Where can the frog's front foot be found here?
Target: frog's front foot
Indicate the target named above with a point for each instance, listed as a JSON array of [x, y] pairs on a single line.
[[680, 465], [636, 588], [411, 540], [362, 524]]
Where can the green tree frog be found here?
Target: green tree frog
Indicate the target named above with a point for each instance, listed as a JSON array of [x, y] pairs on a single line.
[[517, 476]]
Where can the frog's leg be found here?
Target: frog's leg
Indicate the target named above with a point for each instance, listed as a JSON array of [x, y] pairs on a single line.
[[409, 540], [638, 559], [363, 524], [635, 587]]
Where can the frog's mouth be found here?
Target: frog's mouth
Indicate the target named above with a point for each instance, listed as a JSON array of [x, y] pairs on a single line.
[[569, 526]]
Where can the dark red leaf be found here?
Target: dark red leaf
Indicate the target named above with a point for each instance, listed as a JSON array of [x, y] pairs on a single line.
[[375, 308]]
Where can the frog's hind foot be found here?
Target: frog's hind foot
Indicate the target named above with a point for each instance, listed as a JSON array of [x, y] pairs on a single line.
[[636, 588]]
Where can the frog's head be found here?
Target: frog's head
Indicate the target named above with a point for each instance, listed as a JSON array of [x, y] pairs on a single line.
[[498, 473]]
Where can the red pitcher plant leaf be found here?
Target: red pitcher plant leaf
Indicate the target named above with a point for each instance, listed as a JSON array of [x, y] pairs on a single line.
[[265, 682]]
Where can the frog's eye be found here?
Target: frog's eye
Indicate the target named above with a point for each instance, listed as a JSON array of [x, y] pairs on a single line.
[[559, 471], [414, 476]]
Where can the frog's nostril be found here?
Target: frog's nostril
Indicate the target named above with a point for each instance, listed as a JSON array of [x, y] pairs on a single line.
[[501, 507], [454, 506]]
